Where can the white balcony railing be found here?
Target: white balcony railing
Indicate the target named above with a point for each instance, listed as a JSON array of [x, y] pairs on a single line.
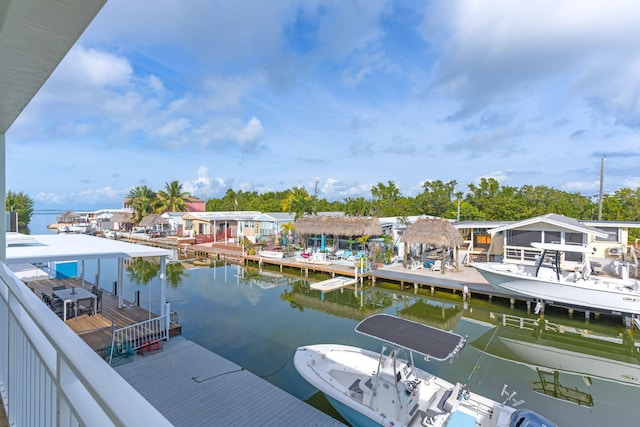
[[49, 376]]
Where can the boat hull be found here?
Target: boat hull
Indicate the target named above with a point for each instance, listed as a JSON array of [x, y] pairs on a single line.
[[271, 254], [612, 295]]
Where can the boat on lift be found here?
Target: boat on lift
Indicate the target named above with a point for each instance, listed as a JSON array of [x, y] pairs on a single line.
[[548, 281]]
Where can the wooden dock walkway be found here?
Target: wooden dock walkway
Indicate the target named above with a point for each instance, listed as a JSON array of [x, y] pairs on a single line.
[[192, 386], [96, 330], [455, 280]]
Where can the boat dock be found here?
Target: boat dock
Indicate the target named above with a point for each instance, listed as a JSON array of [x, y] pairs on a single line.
[[191, 386], [333, 284]]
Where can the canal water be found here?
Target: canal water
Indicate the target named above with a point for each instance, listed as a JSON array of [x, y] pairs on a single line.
[[574, 371]]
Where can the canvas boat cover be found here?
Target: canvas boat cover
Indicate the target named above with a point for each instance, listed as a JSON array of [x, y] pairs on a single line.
[[413, 336]]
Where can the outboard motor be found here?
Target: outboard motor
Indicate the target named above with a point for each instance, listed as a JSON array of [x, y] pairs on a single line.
[[527, 418]]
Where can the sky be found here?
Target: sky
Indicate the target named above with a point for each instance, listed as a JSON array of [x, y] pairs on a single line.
[[335, 95]]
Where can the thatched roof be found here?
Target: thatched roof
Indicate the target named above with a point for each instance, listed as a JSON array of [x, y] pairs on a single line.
[[338, 225], [434, 232], [153, 219], [121, 217], [69, 216]]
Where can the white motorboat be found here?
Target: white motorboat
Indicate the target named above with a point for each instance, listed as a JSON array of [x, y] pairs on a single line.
[[548, 282], [271, 254], [369, 388]]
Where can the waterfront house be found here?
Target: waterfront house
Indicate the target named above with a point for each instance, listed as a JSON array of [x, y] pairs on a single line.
[[511, 242], [265, 228], [219, 225]]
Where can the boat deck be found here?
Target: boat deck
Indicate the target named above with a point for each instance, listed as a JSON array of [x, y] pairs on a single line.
[[192, 386]]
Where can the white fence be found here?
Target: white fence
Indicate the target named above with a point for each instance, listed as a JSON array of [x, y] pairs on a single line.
[[519, 254], [50, 377]]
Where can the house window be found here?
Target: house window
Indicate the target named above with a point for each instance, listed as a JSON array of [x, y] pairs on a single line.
[[188, 224], [552, 237], [523, 238], [573, 238], [612, 234]]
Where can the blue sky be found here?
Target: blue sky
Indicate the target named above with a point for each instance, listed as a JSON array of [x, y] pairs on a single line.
[[265, 96]]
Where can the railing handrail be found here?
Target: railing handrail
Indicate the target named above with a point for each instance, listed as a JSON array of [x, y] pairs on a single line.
[[139, 334], [48, 373]]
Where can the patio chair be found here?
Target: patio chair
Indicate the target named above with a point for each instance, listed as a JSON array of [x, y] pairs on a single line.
[[57, 305], [84, 306], [437, 265], [99, 300]]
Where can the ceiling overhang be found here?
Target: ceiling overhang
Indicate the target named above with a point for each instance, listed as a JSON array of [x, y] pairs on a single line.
[[35, 35]]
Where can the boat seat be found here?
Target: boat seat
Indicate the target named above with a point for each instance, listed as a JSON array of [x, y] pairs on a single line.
[[436, 404], [368, 384], [452, 401], [355, 391]]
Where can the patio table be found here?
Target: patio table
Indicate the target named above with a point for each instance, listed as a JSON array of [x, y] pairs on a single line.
[[74, 294]]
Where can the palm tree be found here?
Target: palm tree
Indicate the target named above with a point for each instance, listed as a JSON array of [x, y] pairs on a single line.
[[22, 204], [141, 199], [287, 230], [172, 198], [299, 202], [357, 207]]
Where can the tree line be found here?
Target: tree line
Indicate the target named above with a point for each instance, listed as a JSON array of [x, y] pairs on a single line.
[[487, 200]]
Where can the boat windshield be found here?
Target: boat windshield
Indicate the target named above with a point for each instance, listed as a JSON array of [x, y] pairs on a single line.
[[413, 336]]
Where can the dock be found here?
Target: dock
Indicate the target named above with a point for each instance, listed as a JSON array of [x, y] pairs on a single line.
[[191, 386], [333, 284]]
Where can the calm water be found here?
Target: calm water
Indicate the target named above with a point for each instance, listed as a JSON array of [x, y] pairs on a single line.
[[257, 321]]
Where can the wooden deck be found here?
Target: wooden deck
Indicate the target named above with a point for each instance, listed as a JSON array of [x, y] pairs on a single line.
[[96, 330]]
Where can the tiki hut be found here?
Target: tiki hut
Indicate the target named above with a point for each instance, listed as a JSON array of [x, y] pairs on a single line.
[[433, 232], [152, 220], [347, 226], [69, 217], [124, 219]]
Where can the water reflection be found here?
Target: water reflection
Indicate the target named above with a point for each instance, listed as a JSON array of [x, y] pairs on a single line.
[[575, 373], [554, 350]]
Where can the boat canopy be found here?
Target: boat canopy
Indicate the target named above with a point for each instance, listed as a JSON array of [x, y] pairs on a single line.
[[413, 336]]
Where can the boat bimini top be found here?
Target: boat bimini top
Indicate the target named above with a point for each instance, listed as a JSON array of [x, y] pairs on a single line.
[[425, 340]]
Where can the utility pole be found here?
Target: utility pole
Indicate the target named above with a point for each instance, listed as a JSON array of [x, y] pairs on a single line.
[[601, 188]]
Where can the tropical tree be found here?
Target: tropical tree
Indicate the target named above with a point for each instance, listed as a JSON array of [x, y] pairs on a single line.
[[287, 230], [436, 198], [142, 200], [23, 205], [172, 198], [298, 201], [385, 198], [357, 207]]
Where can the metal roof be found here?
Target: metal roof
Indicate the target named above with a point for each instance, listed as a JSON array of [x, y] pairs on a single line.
[[223, 216], [560, 221], [423, 339], [68, 247]]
